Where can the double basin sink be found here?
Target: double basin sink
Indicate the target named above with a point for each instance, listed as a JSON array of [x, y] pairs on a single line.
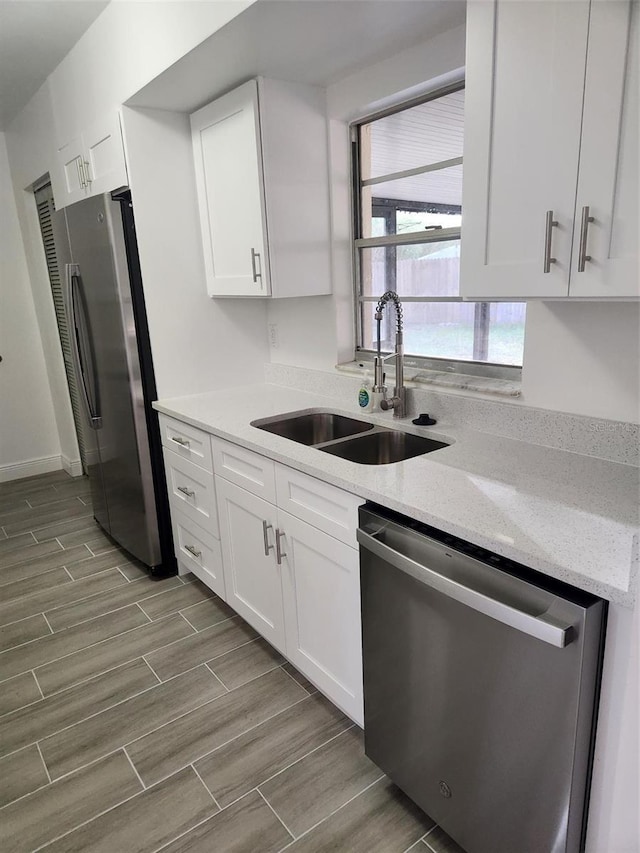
[[349, 438]]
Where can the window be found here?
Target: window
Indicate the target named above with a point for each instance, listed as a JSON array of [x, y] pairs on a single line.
[[408, 213]]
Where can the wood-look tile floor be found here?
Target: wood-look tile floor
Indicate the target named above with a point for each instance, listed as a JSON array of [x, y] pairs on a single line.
[[144, 715]]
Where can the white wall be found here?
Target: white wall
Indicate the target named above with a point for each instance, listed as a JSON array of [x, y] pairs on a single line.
[[28, 435], [198, 344], [29, 144], [317, 333], [127, 46], [583, 358]]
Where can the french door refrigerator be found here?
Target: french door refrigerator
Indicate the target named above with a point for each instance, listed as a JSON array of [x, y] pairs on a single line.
[[96, 247]]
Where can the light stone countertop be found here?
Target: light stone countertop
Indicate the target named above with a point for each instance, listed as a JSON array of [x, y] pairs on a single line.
[[569, 516]]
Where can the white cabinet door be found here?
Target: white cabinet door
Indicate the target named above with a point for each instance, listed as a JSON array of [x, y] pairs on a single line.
[[104, 155], [252, 576], [523, 110], [228, 164], [321, 591], [608, 179], [71, 184]]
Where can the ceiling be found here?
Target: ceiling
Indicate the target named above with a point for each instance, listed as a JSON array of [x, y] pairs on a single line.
[[35, 35], [309, 41]]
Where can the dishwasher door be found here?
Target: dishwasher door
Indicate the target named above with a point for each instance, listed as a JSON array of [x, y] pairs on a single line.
[[480, 688]]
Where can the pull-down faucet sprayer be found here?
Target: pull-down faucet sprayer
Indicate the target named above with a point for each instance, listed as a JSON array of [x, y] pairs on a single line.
[[398, 401]]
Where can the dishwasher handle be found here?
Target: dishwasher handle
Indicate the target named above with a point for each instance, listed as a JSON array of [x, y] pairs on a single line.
[[535, 626]]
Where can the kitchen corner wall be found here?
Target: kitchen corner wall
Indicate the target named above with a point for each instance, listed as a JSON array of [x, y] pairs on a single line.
[[580, 357], [199, 344], [28, 435], [127, 46]]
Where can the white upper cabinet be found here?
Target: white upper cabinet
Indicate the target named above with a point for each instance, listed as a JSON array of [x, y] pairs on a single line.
[[260, 155], [532, 69], [90, 164], [608, 180]]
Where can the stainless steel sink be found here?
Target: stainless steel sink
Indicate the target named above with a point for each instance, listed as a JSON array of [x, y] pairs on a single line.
[[382, 447], [314, 428]]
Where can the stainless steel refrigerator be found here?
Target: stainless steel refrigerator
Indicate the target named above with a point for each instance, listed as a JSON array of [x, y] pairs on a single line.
[[104, 303]]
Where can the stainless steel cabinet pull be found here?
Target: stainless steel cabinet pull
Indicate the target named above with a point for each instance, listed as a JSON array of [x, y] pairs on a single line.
[[181, 441], [188, 492], [193, 551], [265, 537], [256, 275], [550, 224], [279, 552], [86, 168], [80, 173], [584, 228]]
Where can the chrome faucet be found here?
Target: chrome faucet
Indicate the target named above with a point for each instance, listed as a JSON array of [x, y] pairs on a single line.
[[398, 401]]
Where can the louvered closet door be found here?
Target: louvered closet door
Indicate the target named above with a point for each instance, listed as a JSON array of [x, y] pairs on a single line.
[[46, 209]]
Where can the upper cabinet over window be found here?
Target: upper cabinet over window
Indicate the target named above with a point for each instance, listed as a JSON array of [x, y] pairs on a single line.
[[90, 164], [260, 156], [550, 193]]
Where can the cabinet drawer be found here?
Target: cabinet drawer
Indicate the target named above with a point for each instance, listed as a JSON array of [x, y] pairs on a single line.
[[198, 552], [245, 468], [324, 506], [191, 491], [187, 441]]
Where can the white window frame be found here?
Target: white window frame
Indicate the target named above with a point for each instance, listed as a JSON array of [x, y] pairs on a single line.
[[480, 368]]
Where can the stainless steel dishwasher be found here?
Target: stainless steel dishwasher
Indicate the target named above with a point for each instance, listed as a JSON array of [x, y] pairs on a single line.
[[481, 681]]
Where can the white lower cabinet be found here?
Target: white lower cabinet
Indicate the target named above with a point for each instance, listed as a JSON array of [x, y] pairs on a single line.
[[252, 574], [197, 551], [321, 594]]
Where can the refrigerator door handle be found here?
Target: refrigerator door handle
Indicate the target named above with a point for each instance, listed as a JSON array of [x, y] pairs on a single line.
[[535, 625], [81, 343]]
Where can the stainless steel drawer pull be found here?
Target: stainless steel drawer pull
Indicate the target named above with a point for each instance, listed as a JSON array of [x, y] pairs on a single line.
[[185, 491], [266, 527], [181, 441], [80, 174], [279, 552], [584, 230], [550, 224], [254, 269], [193, 551]]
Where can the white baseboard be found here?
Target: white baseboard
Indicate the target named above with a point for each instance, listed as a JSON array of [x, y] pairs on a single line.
[[73, 467], [29, 469]]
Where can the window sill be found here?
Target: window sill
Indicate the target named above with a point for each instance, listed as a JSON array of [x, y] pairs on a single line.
[[457, 381]]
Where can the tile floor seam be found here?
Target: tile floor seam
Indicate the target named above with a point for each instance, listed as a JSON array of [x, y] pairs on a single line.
[[206, 787], [306, 755], [95, 595], [49, 589], [90, 551], [249, 680], [76, 722], [44, 763], [282, 667], [266, 801], [335, 811], [160, 681], [211, 751], [62, 657], [32, 536], [57, 779], [92, 818], [44, 616], [133, 767], [241, 646], [129, 580], [94, 645], [35, 678], [69, 573], [146, 615]]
